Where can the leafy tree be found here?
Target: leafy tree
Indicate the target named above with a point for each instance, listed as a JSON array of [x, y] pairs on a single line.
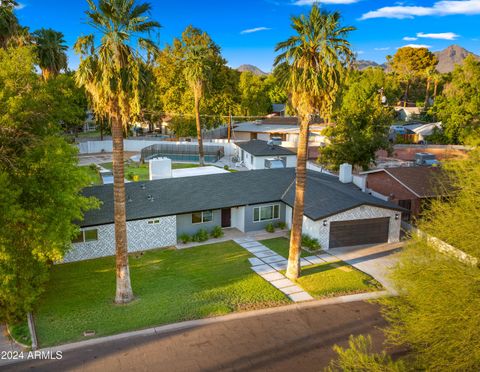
[[276, 93], [410, 63], [313, 61], [254, 99], [459, 106], [51, 51], [40, 184], [436, 313], [9, 26], [111, 74], [362, 124]]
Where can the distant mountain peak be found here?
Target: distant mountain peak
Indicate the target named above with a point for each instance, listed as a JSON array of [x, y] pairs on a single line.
[[451, 56], [253, 69], [362, 64]]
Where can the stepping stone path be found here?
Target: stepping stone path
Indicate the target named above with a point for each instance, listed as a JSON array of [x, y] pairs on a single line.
[[268, 263]]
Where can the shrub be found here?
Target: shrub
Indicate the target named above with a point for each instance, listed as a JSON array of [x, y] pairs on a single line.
[[311, 243], [217, 232], [226, 167], [200, 236], [130, 175], [93, 167], [281, 225], [185, 238], [270, 228]]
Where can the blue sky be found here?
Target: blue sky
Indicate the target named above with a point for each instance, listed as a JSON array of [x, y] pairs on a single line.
[[248, 30]]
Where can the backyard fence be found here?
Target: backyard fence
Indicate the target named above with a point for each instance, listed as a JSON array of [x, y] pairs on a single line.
[[181, 152]]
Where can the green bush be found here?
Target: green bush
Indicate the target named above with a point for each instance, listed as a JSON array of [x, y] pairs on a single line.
[[200, 236], [93, 167], [281, 225], [270, 228], [185, 238], [311, 243], [130, 175], [20, 332], [226, 167], [217, 232]]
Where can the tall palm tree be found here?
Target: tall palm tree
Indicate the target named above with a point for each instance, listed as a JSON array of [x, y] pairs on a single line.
[[51, 51], [8, 22], [313, 61], [110, 72], [197, 54]]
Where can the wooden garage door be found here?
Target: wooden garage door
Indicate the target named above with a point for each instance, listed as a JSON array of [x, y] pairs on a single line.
[[357, 232]]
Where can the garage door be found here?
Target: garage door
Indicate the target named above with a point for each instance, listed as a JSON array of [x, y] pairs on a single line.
[[357, 232]]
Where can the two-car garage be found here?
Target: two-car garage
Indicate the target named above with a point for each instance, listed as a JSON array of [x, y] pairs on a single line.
[[359, 232]]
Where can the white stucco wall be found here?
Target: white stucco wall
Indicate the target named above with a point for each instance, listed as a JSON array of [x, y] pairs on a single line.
[[238, 218], [316, 229], [140, 234], [242, 136]]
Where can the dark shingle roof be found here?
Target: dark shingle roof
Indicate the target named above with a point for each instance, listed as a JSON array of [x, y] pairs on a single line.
[[262, 148], [325, 195]]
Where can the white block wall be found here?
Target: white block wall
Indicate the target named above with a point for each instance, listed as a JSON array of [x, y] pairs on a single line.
[[140, 234], [316, 229], [238, 218]]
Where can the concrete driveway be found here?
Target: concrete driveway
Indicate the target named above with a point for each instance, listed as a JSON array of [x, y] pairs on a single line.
[[375, 260]]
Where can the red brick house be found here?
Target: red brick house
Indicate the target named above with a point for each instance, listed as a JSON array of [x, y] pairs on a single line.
[[408, 187]]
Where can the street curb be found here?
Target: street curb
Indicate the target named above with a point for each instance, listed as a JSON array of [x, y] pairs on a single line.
[[169, 328]]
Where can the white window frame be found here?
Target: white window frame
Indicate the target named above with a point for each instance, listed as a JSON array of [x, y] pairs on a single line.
[[82, 233], [202, 217], [260, 212]]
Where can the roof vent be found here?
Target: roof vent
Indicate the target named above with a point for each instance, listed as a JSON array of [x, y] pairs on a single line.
[[142, 186]]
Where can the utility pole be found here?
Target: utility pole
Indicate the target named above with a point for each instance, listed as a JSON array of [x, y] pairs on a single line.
[[229, 130]]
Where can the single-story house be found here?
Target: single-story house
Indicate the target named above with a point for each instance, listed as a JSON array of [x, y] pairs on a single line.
[[408, 187], [336, 213], [258, 154]]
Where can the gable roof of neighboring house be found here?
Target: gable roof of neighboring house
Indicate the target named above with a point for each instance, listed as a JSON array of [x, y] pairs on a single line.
[[423, 182], [278, 107], [325, 195], [262, 148]]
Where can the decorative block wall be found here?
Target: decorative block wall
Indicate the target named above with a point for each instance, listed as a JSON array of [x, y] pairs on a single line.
[[140, 234]]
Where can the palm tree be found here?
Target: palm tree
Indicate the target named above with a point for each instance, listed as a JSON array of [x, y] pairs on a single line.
[[314, 60], [8, 22], [51, 51], [197, 54], [110, 72], [429, 72]]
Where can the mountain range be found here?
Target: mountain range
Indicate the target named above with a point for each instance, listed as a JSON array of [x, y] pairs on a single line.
[[447, 59], [253, 69]]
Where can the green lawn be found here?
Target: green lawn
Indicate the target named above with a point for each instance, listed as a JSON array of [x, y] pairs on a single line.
[[281, 246], [142, 169], [93, 175], [170, 285], [20, 332], [328, 279]]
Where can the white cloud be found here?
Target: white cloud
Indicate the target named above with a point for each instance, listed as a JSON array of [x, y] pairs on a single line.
[[440, 36], [408, 38], [256, 29], [416, 46], [382, 49], [310, 2], [20, 5], [439, 8], [360, 52]]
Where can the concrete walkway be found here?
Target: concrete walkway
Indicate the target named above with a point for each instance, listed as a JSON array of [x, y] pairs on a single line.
[[268, 265], [375, 260]]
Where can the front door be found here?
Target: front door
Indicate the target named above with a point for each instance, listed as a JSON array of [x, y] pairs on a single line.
[[226, 217]]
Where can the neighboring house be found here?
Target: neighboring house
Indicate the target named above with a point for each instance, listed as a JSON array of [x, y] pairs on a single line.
[[407, 113], [422, 131], [337, 214], [408, 187], [257, 154], [279, 109], [286, 128]]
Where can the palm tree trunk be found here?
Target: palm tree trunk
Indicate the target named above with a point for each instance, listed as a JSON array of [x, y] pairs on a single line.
[[293, 268], [435, 87], [427, 94], [124, 292], [201, 154]]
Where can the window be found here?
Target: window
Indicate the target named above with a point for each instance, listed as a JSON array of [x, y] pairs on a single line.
[[86, 236], [202, 217], [251, 160], [266, 213], [91, 235], [151, 222]]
